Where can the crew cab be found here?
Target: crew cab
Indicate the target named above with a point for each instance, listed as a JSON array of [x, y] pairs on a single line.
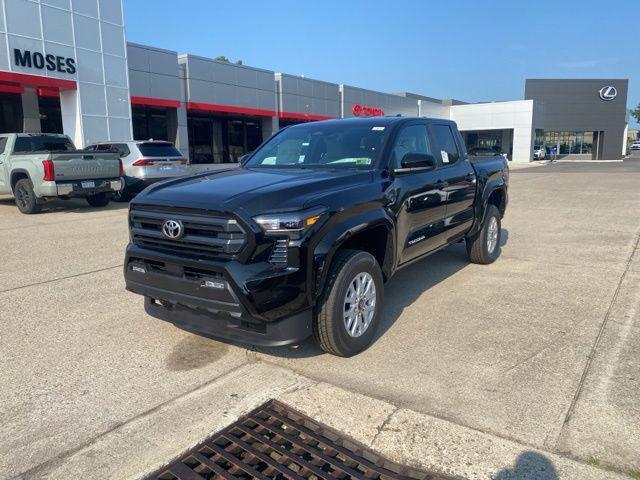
[[301, 238], [37, 167]]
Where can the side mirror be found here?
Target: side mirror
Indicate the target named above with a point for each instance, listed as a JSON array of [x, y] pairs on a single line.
[[423, 161]]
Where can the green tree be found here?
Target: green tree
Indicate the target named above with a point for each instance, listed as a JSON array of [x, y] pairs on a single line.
[[224, 58], [635, 113]]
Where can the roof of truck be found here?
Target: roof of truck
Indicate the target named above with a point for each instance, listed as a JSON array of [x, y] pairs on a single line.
[[381, 120]]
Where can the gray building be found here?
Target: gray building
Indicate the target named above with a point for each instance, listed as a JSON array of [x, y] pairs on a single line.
[[582, 118]]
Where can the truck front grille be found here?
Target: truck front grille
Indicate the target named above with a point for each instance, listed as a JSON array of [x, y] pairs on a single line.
[[203, 234]]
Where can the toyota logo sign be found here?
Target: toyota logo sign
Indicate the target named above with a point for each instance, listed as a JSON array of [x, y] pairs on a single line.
[[608, 93], [172, 229]]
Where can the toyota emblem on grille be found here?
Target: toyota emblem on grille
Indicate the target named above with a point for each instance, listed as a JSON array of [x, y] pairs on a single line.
[[172, 229]]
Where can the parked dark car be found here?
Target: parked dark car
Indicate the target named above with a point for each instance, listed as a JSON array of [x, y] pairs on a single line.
[[300, 239]]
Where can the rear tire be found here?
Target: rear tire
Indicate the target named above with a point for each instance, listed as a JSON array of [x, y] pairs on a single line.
[[354, 284], [484, 246], [99, 199], [26, 200]]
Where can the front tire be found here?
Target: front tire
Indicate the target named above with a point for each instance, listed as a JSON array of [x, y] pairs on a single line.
[[348, 310], [484, 246], [26, 200], [99, 199]]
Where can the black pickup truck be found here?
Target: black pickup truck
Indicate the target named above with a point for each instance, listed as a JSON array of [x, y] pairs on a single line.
[[300, 239]]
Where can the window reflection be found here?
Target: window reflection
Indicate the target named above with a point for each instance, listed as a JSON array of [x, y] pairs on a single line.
[[566, 143]]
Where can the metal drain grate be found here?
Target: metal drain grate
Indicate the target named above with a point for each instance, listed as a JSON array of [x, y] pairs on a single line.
[[276, 442]]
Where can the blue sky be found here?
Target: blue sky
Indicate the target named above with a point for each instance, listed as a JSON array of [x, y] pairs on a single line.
[[470, 50]]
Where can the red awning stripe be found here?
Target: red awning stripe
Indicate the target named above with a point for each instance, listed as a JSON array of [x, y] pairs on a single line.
[[11, 88], [155, 102], [302, 116], [36, 81], [210, 107]]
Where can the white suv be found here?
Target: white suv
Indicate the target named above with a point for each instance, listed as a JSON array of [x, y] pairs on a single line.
[[145, 162], [539, 152]]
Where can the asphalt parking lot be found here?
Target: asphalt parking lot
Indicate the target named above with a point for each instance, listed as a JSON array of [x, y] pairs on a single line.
[[539, 348]]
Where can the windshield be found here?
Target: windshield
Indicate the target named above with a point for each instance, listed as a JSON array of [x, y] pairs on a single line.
[[43, 143], [318, 145]]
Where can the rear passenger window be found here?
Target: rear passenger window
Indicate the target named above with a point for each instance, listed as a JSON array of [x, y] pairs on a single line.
[[3, 144], [122, 149], [412, 139], [446, 143]]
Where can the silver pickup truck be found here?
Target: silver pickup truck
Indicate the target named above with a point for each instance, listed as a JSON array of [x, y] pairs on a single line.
[[37, 167]]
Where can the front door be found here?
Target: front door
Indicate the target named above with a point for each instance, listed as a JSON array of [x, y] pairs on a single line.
[[420, 206]]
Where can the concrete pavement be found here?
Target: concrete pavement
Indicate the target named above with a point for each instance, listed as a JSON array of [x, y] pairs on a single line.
[[533, 356]]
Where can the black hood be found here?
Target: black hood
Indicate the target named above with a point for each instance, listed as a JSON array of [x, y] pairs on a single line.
[[255, 191]]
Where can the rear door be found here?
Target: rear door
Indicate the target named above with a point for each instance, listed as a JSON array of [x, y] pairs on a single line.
[[459, 176], [420, 206]]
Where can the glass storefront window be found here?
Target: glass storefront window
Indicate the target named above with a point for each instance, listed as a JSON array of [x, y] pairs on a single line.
[[149, 123], [587, 143], [222, 139], [491, 140], [10, 113], [577, 143]]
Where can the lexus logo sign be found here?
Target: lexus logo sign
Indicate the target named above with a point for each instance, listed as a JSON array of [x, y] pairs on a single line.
[[172, 229], [608, 93]]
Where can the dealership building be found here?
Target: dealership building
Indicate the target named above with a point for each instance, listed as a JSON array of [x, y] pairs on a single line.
[[66, 67]]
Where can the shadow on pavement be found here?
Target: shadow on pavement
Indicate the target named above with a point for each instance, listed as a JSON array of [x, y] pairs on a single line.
[[75, 205], [406, 286], [529, 466]]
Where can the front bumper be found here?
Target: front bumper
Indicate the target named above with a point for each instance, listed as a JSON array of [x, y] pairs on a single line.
[[251, 303]]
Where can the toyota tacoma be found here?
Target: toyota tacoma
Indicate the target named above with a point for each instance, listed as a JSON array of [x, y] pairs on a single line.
[[301, 238]]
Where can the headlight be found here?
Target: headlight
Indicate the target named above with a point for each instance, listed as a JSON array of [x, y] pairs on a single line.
[[293, 224]]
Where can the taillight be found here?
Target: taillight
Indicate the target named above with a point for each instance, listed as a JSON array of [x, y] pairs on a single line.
[[183, 161], [121, 174], [49, 173], [143, 162]]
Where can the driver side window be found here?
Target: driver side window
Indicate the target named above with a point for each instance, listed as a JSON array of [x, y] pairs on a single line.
[[412, 139]]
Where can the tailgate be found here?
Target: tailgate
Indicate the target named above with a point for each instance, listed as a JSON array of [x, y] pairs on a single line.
[[85, 165]]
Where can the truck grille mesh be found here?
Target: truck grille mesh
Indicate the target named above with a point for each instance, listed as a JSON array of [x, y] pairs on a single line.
[[206, 234], [276, 442]]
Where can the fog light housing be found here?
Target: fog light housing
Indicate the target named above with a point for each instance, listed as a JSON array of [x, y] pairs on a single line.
[[280, 253]]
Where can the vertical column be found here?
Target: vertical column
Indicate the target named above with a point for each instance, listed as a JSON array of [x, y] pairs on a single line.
[[182, 131], [270, 126], [523, 138], [30, 111], [71, 117]]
